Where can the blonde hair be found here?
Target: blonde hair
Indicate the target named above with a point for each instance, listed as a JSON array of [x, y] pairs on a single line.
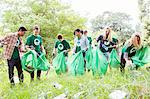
[[135, 40], [110, 34]]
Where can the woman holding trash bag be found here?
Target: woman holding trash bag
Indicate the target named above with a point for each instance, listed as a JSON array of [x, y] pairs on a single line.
[[129, 50], [34, 42], [62, 47], [107, 42]]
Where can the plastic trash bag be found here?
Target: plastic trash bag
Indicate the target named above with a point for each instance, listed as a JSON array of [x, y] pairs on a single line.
[[76, 63], [29, 61], [88, 58], [99, 62], [42, 63], [142, 56], [114, 60], [59, 63]]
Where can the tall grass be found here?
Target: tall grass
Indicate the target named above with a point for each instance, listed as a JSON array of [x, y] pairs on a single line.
[[135, 83]]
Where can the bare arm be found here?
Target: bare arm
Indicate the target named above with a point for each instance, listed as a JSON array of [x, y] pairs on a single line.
[[27, 47], [74, 47], [54, 50]]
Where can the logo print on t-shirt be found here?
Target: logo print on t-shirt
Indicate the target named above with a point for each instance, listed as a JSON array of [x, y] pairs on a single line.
[[78, 43], [37, 42], [106, 42], [18, 43], [132, 50], [60, 47]]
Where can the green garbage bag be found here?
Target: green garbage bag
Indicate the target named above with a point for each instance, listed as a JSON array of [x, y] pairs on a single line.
[[76, 64], [146, 56], [142, 57], [114, 60], [42, 63], [59, 63], [99, 63], [88, 58], [29, 61]]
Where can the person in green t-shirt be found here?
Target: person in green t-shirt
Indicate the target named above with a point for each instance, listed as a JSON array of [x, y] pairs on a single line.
[[61, 48], [129, 49], [34, 42], [14, 45], [15, 54], [81, 43], [61, 45]]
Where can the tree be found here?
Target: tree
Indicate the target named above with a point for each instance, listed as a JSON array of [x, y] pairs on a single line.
[[51, 15], [144, 7], [119, 22]]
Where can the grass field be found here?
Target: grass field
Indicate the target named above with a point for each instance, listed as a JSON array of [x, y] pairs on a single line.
[[135, 83]]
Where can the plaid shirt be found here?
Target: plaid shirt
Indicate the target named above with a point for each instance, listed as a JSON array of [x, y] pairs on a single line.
[[10, 42]]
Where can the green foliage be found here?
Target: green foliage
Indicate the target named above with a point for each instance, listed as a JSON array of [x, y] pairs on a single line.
[[51, 15], [119, 22], [144, 7]]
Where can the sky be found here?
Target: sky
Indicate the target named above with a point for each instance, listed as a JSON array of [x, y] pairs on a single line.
[[92, 8]]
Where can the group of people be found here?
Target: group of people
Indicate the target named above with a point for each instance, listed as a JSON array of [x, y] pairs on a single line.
[[87, 54], [81, 43], [15, 45], [100, 53]]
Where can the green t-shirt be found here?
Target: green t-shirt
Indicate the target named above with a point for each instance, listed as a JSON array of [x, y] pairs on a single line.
[[78, 45], [114, 40], [15, 54], [35, 41], [62, 45], [78, 48], [90, 40]]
